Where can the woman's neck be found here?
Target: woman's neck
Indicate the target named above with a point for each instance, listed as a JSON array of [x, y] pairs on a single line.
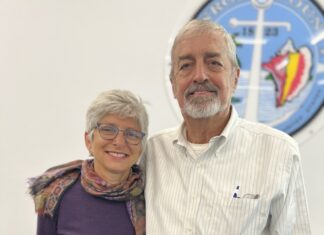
[[110, 177]]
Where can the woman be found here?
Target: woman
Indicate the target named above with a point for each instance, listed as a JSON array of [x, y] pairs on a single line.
[[102, 195]]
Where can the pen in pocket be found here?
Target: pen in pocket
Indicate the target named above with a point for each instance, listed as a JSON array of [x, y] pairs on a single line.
[[245, 196]]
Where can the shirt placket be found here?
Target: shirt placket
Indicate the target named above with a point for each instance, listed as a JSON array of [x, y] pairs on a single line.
[[193, 198]]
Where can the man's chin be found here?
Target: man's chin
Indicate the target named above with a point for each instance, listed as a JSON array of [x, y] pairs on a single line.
[[200, 112], [203, 110]]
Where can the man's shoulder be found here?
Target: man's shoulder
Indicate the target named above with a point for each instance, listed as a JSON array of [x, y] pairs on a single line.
[[165, 133], [264, 130], [161, 141]]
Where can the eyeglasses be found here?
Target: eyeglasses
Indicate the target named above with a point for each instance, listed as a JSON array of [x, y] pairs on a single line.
[[110, 131]]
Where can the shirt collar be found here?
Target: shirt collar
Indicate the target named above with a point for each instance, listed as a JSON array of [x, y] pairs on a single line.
[[232, 122], [180, 136]]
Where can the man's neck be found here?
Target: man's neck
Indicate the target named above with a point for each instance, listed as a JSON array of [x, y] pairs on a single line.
[[201, 130]]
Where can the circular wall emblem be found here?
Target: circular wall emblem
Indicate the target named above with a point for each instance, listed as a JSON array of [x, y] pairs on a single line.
[[280, 47]]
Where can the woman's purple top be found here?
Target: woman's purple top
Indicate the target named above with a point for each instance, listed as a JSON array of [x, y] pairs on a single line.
[[80, 213]]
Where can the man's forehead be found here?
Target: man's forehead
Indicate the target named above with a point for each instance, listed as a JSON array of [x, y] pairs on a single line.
[[198, 33], [207, 54], [196, 41]]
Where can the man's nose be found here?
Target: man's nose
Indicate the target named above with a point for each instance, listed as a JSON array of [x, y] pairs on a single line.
[[200, 74]]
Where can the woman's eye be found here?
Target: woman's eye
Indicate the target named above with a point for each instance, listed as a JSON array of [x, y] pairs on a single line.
[[108, 129], [133, 134]]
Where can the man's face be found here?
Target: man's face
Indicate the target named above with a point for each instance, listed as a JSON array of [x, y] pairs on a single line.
[[203, 78]]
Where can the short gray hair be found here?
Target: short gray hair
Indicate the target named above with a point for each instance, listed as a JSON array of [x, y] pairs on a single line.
[[118, 102], [196, 27]]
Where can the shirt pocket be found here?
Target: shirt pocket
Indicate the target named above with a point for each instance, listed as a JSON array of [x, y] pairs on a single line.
[[236, 215]]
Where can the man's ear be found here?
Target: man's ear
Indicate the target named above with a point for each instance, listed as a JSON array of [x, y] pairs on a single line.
[[172, 81], [173, 89], [236, 76]]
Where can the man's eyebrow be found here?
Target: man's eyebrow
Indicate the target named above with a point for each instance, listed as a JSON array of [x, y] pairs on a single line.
[[185, 57], [212, 54], [206, 55]]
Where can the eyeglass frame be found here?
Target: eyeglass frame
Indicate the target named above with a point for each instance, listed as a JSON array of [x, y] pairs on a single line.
[[141, 136]]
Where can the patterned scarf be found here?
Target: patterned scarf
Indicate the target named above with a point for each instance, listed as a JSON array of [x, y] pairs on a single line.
[[48, 188]]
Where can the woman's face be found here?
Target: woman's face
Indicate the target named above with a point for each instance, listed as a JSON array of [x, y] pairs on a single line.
[[114, 156]]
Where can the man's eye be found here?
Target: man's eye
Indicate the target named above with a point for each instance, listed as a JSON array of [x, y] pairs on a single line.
[[214, 64], [184, 66]]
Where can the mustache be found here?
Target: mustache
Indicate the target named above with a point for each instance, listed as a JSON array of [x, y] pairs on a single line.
[[205, 86]]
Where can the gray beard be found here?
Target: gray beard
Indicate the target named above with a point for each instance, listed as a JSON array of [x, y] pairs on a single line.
[[202, 107]]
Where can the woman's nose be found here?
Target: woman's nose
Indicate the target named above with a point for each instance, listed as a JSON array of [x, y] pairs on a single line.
[[120, 139]]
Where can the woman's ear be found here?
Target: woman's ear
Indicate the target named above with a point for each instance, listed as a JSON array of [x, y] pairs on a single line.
[[88, 142]]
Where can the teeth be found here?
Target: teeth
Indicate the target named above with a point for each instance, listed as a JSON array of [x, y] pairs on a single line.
[[114, 154], [199, 92]]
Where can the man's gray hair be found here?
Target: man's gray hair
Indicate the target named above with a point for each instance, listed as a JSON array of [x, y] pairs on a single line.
[[117, 102], [196, 27]]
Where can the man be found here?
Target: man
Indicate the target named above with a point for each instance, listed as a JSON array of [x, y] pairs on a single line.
[[218, 173]]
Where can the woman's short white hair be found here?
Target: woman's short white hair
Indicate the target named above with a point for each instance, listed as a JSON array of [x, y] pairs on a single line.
[[118, 102]]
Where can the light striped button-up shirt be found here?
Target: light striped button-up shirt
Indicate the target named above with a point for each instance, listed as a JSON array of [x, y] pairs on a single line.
[[248, 181]]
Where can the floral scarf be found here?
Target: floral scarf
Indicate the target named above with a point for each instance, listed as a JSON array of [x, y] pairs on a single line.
[[48, 188]]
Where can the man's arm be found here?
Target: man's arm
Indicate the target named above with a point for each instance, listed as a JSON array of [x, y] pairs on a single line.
[[290, 212]]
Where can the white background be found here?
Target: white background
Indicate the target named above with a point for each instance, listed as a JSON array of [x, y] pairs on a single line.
[[57, 55]]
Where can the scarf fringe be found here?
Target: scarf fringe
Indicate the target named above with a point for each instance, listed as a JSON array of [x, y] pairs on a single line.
[[35, 185]]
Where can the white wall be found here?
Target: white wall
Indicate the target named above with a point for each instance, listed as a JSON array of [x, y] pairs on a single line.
[[56, 56]]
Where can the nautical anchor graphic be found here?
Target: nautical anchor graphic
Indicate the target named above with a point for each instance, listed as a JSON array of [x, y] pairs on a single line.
[[251, 111]]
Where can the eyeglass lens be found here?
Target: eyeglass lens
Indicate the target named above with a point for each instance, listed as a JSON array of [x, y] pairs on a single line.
[[109, 132]]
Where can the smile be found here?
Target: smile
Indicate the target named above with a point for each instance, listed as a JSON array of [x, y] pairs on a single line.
[[201, 93], [116, 154]]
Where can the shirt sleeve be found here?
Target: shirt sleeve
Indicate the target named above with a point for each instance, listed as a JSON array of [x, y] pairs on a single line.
[[142, 161], [290, 214], [46, 225]]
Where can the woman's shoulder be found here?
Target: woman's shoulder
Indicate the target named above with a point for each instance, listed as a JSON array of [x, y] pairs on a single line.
[[47, 188], [38, 183]]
